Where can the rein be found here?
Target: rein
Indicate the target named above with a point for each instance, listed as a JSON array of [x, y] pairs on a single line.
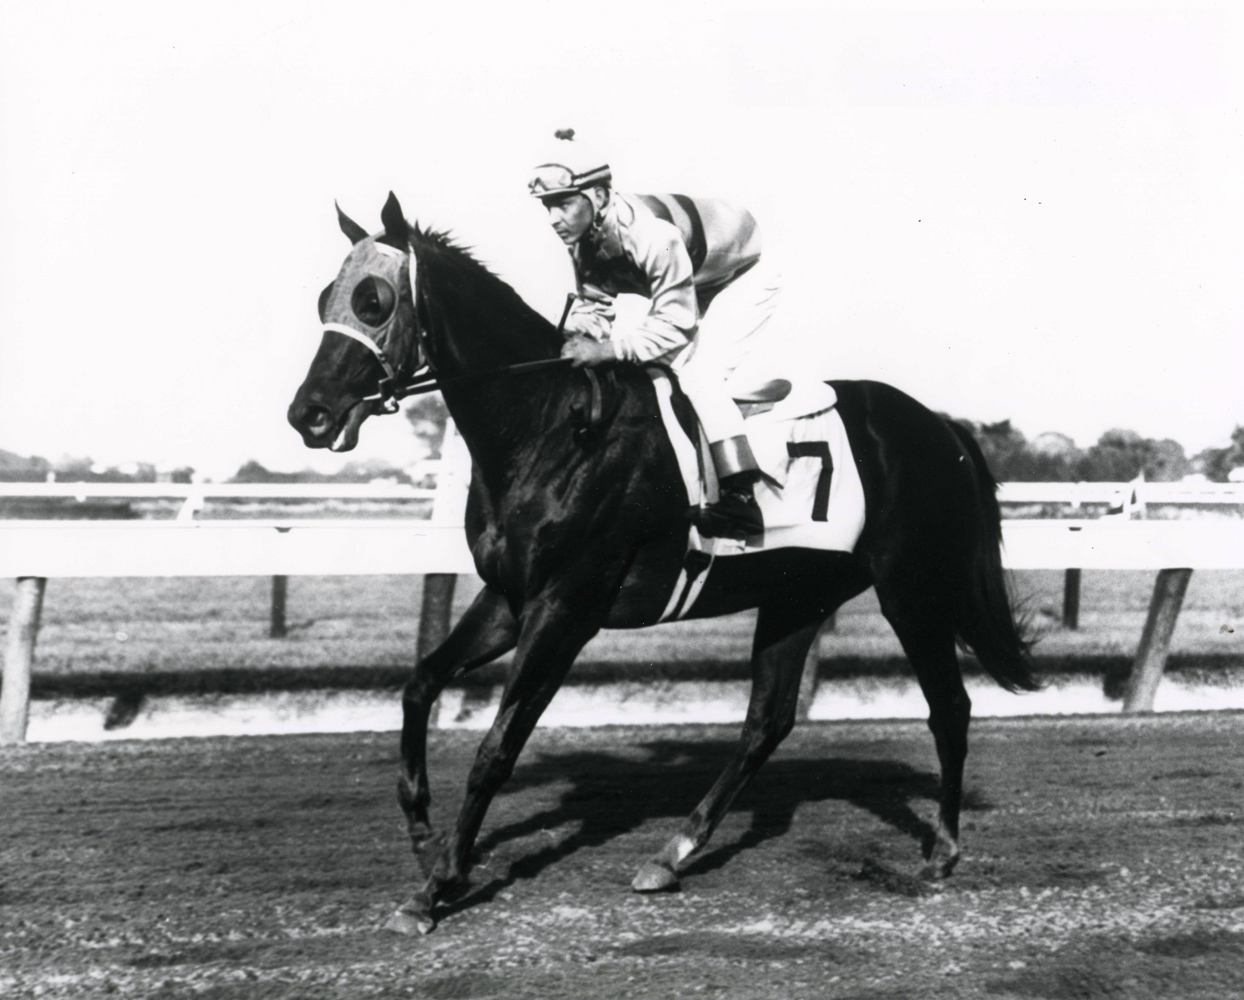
[[425, 380]]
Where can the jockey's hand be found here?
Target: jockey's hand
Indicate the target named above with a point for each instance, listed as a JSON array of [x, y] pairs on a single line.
[[588, 351]]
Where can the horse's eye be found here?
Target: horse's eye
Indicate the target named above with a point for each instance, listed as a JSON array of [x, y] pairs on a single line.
[[373, 300]]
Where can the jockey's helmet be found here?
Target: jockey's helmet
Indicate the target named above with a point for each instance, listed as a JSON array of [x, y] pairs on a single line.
[[570, 166]]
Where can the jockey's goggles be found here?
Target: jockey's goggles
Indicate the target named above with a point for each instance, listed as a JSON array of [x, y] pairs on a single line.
[[551, 179]]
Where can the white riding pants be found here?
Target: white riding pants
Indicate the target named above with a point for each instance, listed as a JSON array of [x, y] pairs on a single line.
[[729, 331]]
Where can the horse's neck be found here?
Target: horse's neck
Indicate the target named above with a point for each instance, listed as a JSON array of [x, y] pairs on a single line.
[[477, 324], [476, 321], [499, 421]]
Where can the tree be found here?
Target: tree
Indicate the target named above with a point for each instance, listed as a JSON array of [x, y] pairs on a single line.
[[18, 469], [1169, 463], [428, 416], [1217, 463], [1121, 455], [1012, 458], [1002, 444], [254, 472], [352, 472]]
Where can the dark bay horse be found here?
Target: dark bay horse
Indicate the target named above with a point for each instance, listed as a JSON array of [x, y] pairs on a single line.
[[575, 533]]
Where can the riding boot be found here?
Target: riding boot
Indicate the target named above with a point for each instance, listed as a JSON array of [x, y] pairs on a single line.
[[735, 514]]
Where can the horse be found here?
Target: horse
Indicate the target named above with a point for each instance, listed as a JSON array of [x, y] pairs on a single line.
[[578, 523]]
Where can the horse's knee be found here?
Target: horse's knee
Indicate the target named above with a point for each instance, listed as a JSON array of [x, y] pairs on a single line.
[[763, 738], [781, 729], [418, 692]]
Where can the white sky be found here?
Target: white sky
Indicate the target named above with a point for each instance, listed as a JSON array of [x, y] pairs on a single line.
[[1023, 211]]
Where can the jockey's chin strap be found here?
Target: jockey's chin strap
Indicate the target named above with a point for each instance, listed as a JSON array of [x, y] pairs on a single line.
[[392, 387]]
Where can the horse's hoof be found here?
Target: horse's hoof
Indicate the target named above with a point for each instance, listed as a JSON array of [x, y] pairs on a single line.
[[410, 923], [939, 867], [654, 877]]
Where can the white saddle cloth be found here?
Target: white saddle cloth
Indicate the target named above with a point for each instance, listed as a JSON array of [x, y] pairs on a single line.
[[813, 497]]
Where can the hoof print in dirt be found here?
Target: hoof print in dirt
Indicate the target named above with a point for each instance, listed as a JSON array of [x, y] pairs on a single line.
[[893, 880]]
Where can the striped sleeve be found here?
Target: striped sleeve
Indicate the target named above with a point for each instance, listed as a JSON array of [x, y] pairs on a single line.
[[659, 254]]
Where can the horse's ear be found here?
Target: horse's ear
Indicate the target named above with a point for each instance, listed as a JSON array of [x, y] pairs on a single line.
[[348, 226], [395, 226]]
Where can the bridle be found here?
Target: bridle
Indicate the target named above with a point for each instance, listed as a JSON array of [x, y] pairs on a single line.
[[389, 388], [393, 386]]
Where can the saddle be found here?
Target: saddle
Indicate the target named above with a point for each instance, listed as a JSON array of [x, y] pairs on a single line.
[[762, 397]]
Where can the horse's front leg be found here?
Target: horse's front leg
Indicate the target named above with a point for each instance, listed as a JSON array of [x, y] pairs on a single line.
[[784, 634], [552, 635], [487, 630]]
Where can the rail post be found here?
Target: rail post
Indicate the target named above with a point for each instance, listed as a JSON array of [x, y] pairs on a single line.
[[19, 658], [809, 680], [1071, 599], [434, 617], [277, 629], [434, 621], [453, 482], [1155, 640]]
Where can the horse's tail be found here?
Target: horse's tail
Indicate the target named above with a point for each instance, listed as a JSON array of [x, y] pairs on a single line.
[[984, 619]]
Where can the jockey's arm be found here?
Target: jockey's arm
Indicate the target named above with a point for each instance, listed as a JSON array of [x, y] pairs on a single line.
[[670, 323], [659, 260], [591, 314]]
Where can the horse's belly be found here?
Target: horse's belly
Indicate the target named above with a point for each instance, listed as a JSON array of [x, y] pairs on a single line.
[[646, 590]]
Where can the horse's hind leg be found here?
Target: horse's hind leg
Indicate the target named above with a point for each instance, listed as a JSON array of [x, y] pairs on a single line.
[[924, 629], [784, 633], [487, 630]]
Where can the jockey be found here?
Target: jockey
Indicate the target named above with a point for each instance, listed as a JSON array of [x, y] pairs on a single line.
[[683, 254]]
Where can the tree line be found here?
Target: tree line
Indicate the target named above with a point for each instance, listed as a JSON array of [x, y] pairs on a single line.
[[1117, 456]]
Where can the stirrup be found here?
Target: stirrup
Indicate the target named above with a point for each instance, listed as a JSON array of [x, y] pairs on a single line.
[[735, 515]]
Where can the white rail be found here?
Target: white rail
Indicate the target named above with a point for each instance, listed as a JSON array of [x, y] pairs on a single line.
[[231, 548], [372, 547], [235, 491], [449, 495], [1076, 494], [1070, 493]]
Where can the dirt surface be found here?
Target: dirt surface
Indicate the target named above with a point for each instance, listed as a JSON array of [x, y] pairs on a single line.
[[1102, 858]]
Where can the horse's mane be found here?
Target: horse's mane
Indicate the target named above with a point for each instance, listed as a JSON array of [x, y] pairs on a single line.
[[489, 293]]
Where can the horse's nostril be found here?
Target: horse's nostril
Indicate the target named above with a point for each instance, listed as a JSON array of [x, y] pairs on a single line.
[[317, 420]]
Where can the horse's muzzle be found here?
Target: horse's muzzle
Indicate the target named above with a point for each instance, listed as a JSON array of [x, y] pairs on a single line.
[[327, 418]]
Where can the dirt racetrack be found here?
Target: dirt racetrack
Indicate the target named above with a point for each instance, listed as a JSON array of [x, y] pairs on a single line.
[[1102, 859]]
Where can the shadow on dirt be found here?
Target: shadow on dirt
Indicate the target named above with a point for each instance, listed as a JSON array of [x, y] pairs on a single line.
[[610, 796]]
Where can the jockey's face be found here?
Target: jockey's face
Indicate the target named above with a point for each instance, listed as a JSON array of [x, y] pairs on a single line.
[[570, 215]]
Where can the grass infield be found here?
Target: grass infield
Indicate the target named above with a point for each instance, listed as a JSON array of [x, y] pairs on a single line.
[[191, 635]]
